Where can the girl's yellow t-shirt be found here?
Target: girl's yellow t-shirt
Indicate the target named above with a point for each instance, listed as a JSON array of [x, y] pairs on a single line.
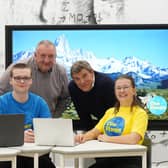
[[124, 122]]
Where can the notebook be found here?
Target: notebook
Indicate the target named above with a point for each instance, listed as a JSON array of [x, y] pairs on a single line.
[[11, 130], [53, 131]]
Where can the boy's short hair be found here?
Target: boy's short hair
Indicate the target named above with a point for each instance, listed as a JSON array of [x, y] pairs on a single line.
[[19, 66]]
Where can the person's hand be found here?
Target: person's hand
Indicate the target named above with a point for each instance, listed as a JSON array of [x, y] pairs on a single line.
[[29, 136], [80, 138], [103, 138]]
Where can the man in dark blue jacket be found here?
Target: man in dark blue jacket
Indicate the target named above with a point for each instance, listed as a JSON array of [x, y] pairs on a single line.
[[92, 93]]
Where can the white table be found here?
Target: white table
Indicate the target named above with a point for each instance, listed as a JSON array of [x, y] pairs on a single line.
[[33, 150], [94, 148], [7, 154]]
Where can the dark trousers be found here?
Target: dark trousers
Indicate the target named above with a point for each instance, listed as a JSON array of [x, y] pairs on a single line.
[[118, 162], [28, 162]]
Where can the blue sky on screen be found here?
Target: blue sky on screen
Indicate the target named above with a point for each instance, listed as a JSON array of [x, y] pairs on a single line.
[[149, 45]]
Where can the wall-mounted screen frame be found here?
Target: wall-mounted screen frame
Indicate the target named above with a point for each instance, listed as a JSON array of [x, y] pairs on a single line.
[[139, 50]]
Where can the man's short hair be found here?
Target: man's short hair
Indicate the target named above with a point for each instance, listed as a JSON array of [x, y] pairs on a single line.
[[79, 65], [46, 43]]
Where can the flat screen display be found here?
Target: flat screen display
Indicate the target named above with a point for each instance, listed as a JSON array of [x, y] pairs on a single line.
[[138, 50]]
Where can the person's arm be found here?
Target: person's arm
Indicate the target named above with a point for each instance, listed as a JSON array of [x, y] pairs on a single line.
[[109, 97], [132, 138], [44, 111], [90, 135], [4, 81], [83, 111], [64, 98]]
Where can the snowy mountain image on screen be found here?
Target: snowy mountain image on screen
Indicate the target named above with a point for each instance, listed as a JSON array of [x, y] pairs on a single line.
[[145, 74]]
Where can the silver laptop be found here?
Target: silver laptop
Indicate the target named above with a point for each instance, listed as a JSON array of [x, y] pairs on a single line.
[[11, 130], [53, 131]]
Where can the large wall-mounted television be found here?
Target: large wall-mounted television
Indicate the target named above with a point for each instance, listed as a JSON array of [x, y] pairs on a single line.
[[138, 50]]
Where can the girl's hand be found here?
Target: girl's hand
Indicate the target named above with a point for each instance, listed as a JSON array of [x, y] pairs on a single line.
[[103, 138]]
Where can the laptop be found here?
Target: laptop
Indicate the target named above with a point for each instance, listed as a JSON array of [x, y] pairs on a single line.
[[11, 130], [53, 131]]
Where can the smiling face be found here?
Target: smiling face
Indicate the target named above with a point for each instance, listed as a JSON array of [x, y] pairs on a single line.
[[45, 56], [84, 79], [21, 80], [124, 91]]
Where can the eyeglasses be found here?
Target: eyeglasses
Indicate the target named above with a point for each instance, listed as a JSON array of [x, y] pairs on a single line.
[[125, 88], [22, 79]]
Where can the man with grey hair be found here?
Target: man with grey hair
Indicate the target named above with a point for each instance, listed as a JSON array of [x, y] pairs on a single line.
[[50, 80], [91, 92]]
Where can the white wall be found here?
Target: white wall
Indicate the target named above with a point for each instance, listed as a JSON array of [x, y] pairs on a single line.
[[106, 11]]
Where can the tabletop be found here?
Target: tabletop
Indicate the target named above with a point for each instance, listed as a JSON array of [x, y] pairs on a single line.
[[8, 152], [97, 146]]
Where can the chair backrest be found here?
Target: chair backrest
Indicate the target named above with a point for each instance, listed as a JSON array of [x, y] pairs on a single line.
[[148, 143]]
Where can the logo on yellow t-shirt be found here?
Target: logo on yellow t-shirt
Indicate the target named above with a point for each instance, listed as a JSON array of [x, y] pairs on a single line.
[[114, 126]]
